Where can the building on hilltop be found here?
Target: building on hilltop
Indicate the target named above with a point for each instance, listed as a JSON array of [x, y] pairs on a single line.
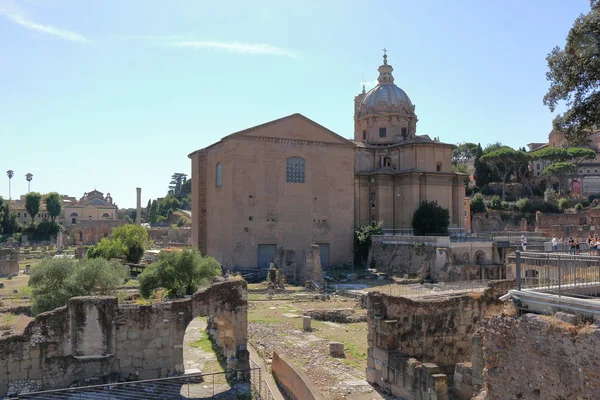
[[266, 193], [586, 179]]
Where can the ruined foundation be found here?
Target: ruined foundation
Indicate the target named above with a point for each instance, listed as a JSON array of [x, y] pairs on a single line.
[[414, 345], [93, 339]]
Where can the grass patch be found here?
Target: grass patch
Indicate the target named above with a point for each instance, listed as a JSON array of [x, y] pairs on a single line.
[[8, 319], [203, 343], [264, 319], [134, 283]]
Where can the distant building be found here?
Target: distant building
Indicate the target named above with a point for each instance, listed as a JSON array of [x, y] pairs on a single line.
[[86, 220], [586, 180]]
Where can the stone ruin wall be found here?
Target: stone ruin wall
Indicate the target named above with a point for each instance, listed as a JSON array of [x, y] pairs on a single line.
[[579, 224], [173, 235], [440, 262], [9, 262], [95, 340], [536, 357], [413, 344]]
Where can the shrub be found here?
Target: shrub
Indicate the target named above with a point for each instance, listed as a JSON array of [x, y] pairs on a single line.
[[496, 203], [563, 204], [585, 203], [179, 272], [362, 241], [55, 281], [592, 197], [477, 204], [523, 205], [578, 207], [550, 197], [430, 218], [504, 205]]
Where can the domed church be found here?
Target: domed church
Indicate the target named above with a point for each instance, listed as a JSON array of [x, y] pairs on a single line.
[[395, 168], [265, 194]]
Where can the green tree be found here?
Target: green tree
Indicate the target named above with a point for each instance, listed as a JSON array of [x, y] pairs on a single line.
[[55, 281], [33, 201], [563, 204], [496, 203], [179, 272], [363, 239], [177, 181], [552, 154], [430, 218], [477, 204], [153, 215], [522, 160], [503, 162], [108, 249], [168, 205], [577, 155], [54, 205], [463, 153], [574, 75], [147, 211], [550, 197], [523, 205], [482, 172], [135, 240], [560, 170]]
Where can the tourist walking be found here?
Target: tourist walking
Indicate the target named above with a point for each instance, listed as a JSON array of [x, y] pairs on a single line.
[[554, 243], [524, 242]]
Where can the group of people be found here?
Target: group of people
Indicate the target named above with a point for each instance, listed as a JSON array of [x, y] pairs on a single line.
[[592, 244]]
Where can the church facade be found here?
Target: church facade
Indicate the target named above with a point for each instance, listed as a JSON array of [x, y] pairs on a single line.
[[266, 193]]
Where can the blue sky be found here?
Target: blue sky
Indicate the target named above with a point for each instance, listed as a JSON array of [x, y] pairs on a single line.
[[115, 94]]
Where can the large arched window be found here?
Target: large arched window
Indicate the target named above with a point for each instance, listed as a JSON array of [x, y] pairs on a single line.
[[294, 170], [219, 181]]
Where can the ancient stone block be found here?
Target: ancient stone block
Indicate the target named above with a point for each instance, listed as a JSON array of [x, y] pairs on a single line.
[[306, 323]]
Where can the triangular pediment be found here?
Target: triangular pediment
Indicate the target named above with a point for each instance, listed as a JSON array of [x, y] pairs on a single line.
[[293, 127]]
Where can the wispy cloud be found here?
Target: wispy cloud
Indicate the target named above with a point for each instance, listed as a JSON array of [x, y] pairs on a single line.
[[234, 47], [50, 30]]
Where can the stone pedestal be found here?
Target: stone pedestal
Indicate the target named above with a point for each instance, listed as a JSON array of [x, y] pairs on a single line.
[[312, 266], [336, 349], [306, 323]]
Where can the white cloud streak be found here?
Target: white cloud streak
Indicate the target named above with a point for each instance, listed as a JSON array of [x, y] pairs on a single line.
[[47, 29], [234, 47]]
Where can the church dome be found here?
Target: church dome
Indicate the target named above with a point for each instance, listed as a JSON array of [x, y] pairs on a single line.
[[391, 94], [386, 90]]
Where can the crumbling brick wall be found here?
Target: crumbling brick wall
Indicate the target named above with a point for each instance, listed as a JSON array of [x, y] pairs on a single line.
[[538, 357], [95, 339]]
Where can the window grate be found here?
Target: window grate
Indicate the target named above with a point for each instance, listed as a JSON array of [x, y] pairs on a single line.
[[294, 172]]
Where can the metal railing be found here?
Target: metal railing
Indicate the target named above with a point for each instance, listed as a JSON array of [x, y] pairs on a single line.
[[190, 386], [564, 274]]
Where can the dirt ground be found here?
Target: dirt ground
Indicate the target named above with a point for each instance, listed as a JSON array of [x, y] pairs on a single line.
[[276, 325]]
